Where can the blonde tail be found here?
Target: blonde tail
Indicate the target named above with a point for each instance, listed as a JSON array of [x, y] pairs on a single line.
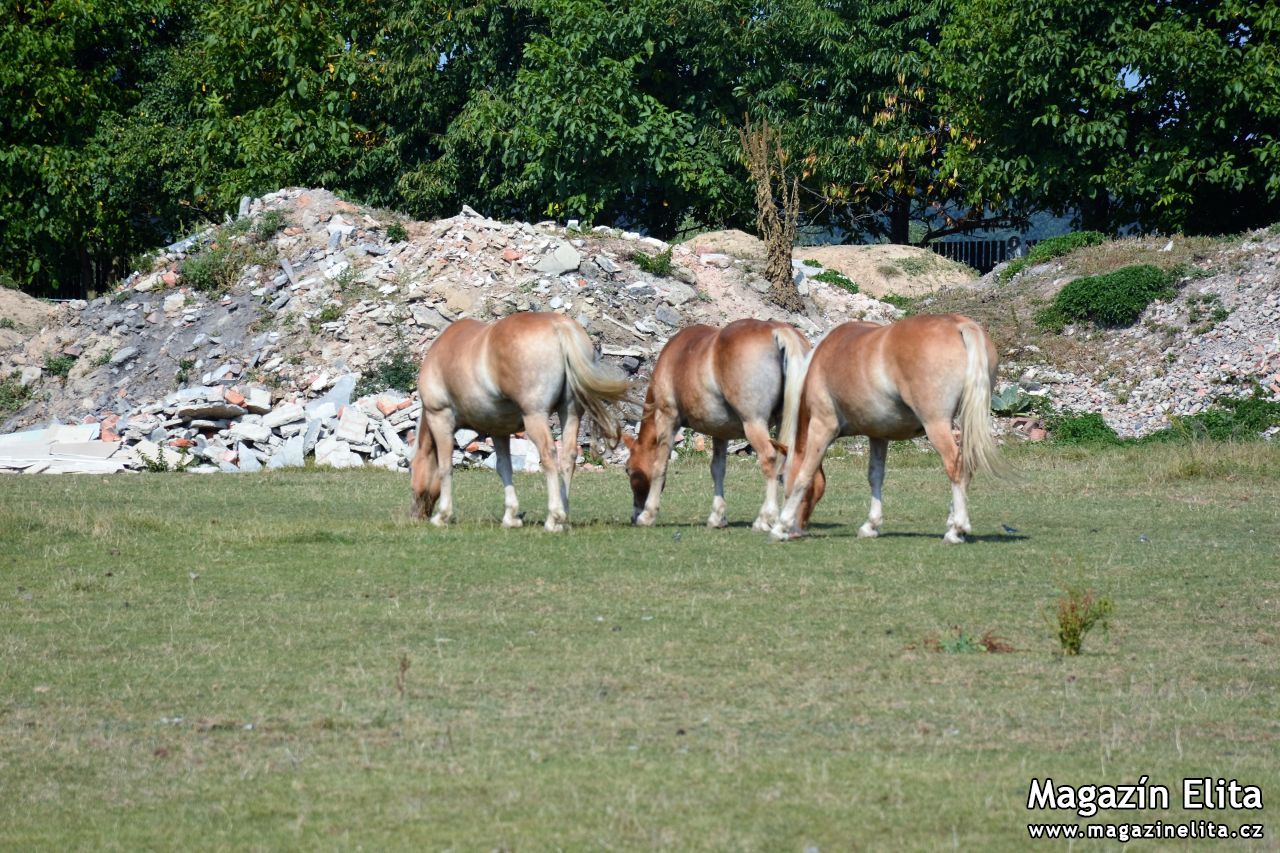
[[978, 450], [592, 384], [795, 363]]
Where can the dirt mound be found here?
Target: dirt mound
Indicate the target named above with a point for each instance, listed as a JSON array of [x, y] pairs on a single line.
[[21, 316], [888, 268], [733, 242]]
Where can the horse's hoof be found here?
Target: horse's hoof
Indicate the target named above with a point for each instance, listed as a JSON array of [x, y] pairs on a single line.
[[512, 523], [779, 533], [866, 531], [645, 519], [762, 525], [953, 537], [441, 520], [717, 522], [555, 525]]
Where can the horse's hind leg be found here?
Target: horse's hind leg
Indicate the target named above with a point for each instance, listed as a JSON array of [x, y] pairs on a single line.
[[875, 477], [570, 421], [539, 429], [819, 434], [942, 438], [771, 466], [441, 425], [719, 453], [510, 505]]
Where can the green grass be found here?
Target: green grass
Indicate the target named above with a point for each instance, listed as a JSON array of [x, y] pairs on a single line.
[[837, 279], [1113, 299], [1052, 247], [285, 661]]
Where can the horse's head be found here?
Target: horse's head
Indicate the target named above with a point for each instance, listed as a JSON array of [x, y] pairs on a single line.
[[639, 464]]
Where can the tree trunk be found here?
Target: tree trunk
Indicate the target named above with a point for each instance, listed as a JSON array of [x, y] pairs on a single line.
[[900, 221], [767, 162]]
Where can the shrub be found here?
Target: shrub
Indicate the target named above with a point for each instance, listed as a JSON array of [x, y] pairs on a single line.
[[903, 303], [269, 224], [214, 270], [1230, 419], [13, 394], [1078, 612], [659, 264], [396, 370], [59, 365], [837, 279], [396, 233], [1089, 428], [1113, 299], [1053, 247], [7, 323]]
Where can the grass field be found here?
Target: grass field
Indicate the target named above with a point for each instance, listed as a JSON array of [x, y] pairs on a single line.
[[284, 660]]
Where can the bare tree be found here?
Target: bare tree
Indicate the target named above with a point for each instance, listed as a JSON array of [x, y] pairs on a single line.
[[767, 162]]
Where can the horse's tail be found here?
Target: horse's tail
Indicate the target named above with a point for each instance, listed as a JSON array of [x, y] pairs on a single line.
[[591, 383], [795, 352], [978, 450]]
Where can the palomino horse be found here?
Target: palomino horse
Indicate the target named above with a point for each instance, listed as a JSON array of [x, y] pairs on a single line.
[[890, 383], [727, 383], [500, 378]]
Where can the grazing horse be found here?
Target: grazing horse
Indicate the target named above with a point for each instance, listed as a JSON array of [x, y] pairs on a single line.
[[501, 378], [889, 383], [726, 383]]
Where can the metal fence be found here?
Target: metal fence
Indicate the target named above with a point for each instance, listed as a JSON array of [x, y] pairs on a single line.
[[982, 255]]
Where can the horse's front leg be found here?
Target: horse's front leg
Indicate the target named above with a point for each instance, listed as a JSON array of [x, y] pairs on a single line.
[[875, 477], [441, 425], [819, 434], [719, 454], [664, 426], [510, 505], [539, 429]]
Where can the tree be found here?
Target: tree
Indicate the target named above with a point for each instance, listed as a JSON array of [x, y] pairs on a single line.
[[767, 162], [1163, 113]]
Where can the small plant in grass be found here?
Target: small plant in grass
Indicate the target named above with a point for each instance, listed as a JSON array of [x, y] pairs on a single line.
[[916, 264], [396, 233], [810, 262], [1204, 311], [659, 264], [215, 269], [960, 643], [330, 312], [1077, 613], [1053, 247], [103, 358], [13, 394], [1113, 299], [1229, 419], [397, 370], [7, 323], [59, 365], [837, 279], [184, 370]]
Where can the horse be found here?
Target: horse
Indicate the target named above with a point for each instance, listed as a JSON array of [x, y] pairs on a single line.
[[727, 383], [891, 383], [500, 378]]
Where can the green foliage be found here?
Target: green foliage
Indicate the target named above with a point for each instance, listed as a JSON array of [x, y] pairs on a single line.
[[837, 279], [1113, 299], [1229, 419], [269, 224], [7, 323], [917, 265], [103, 358], [1159, 113], [1204, 311], [185, 366], [397, 371], [659, 264], [1052, 247], [905, 304], [1081, 429], [1011, 401], [396, 232], [215, 269], [1077, 613], [59, 365], [158, 464], [13, 394]]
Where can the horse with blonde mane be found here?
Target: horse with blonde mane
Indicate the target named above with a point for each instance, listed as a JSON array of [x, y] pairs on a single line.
[[890, 383], [504, 377], [727, 383]]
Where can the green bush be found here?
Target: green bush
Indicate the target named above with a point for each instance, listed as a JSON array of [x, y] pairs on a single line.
[[1077, 612], [1229, 419], [396, 233], [903, 303], [214, 270], [837, 279], [398, 370], [1112, 299], [659, 264], [1075, 428], [269, 224], [13, 394], [1053, 247], [59, 365], [7, 323]]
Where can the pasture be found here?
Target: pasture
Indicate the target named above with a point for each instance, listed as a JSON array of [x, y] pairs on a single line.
[[284, 659]]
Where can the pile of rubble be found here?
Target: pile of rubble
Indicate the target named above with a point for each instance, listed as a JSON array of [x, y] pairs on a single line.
[[328, 300]]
